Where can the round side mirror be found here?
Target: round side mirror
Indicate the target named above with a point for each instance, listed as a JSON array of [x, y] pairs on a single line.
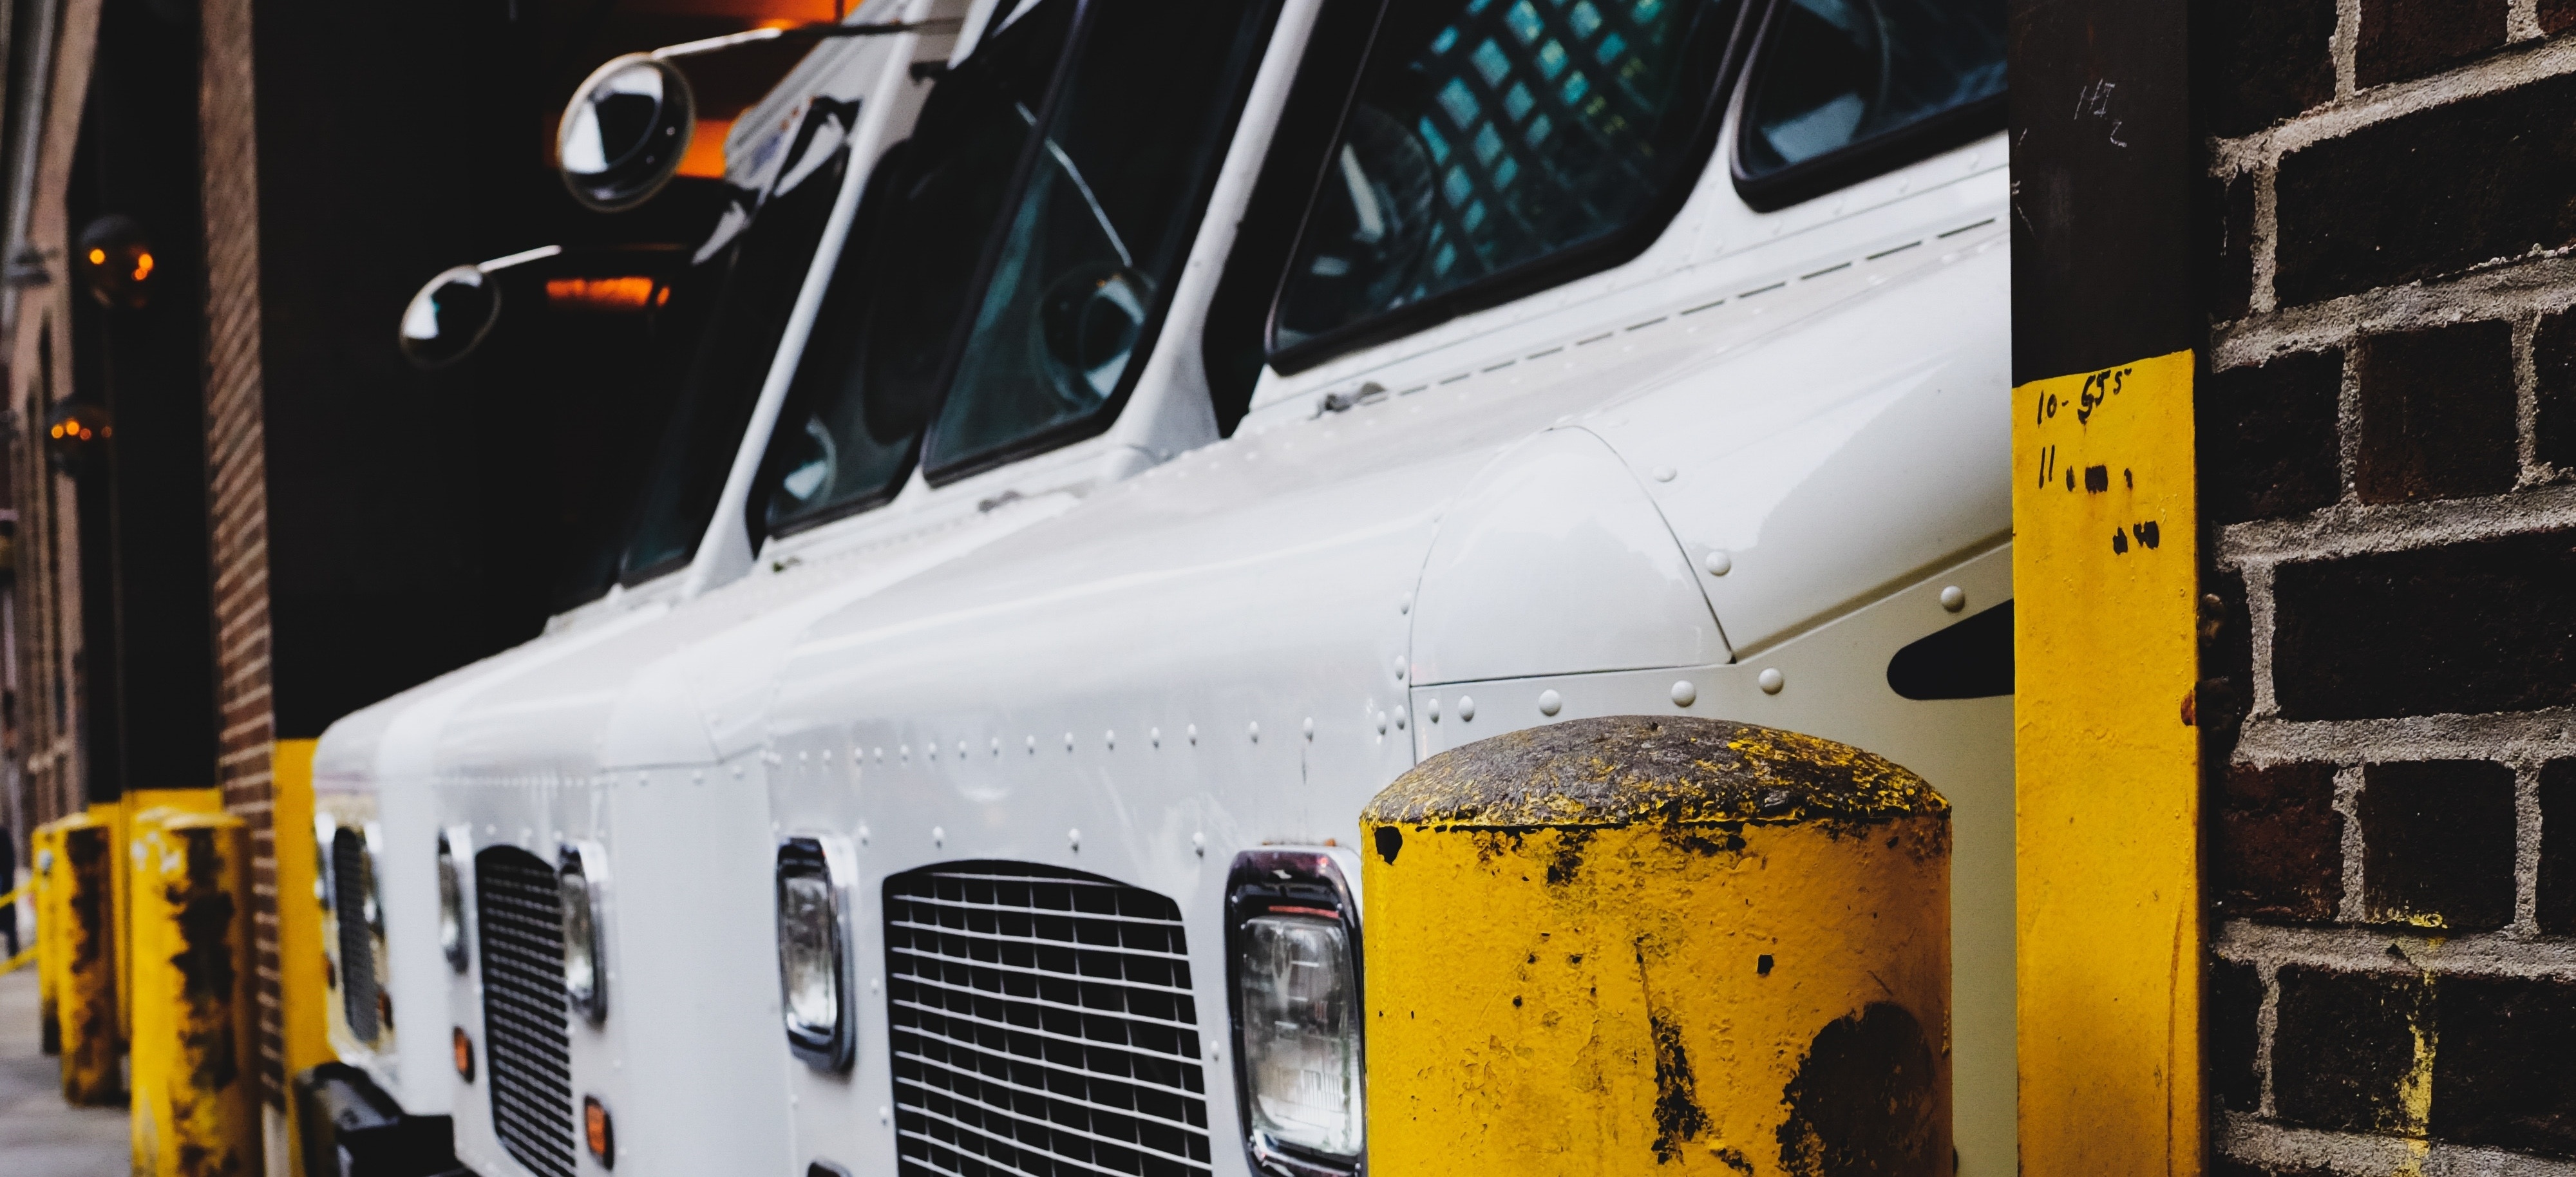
[[452, 314], [625, 131]]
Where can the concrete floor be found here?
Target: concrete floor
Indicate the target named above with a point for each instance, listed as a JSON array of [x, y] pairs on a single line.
[[40, 1135]]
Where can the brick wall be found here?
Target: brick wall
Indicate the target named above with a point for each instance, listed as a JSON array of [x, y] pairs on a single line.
[[2389, 468], [237, 474]]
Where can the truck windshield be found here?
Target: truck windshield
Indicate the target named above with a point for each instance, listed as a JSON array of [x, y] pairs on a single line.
[[755, 277], [870, 377], [1051, 255]]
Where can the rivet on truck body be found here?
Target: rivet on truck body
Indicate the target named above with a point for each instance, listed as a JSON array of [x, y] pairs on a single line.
[[1684, 694], [1466, 708], [1665, 473], [1399, 668], [1770, 680], [1431, 708], [1310, 727], [1252, 731], [1549, 702], [1381, 723], [1399, 717], [1719, 563], [938, 835], [1073, 839], [1953, 598]]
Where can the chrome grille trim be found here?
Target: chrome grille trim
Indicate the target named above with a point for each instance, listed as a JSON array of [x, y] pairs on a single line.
[[527, 1035], [1043, 1026]]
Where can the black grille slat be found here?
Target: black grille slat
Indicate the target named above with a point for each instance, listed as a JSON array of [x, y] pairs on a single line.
[[1043, 1026], [528, 1037], [350, 887]]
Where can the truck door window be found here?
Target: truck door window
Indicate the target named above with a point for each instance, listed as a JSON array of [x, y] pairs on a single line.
[[1104, 219], [868, 382], [1494, 147], [1844, 89], [757, 276]]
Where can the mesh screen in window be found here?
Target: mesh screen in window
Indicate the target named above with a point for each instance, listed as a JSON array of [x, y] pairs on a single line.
[[1488, 134]]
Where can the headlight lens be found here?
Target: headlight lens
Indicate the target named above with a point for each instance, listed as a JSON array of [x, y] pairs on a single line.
[[582, 980], [813, 971], [1300, 1062], [451, 907]]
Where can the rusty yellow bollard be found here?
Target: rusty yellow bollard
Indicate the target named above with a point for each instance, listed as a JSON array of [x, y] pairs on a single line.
[[195, 1103], [44, 850], [1671, 946], [85, 979]]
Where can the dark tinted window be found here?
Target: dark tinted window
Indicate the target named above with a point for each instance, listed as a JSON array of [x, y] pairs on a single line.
[[870, 378], [1840, 74], [757, 276], [1490, 134], [1104, 220]]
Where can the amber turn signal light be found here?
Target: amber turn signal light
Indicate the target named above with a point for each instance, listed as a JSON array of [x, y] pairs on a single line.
[[597, 1132], [464, 1049]]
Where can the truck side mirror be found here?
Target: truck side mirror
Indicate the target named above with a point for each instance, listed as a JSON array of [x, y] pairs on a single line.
[[623, 134]]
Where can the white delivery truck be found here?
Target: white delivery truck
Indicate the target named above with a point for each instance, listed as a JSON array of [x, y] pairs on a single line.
[[1189, 415]]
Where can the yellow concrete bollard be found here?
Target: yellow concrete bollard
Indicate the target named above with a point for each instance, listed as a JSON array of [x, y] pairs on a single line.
[[44, 850], [196, 1106], [84, 903], [1657, 945]]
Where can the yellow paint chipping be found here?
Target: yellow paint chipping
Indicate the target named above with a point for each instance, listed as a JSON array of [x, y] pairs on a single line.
[[1723, 950], [2105, 570]]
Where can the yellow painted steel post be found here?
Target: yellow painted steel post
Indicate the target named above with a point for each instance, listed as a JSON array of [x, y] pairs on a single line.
[[196, 1104], [1657, 945], [303, 991], [85, 985], [44, 846], [2106, 568]]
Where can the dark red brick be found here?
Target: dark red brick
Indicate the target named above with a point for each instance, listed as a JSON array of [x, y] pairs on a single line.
[[2268, 440], [2403, 39], [2260, 61], [2553, 364], [2475, 627], [2437, 413], [2235, 1007], [2501, 1076], [2343, 1045], [2279, 843], [2428, 193], [2556, 15], [2556, 901], [2437, 841]]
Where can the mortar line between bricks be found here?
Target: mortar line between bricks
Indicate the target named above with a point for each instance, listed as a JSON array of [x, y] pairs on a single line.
[[2266, 245], [2348, 782], [2541, 735], [2348, 429], [2521, 20], [2353, 110], [2365, 950], [2354, 529], [2259, 626], [2267, 1022], [2280, 1148], [2529, 285], [2526, 847], [2526, 402], [2344, 47]]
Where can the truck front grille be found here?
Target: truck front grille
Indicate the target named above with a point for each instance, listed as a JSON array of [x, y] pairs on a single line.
[[527, 1038], [1043, 1026], [351, 889]]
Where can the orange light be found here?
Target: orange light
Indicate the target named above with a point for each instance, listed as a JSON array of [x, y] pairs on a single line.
[[58, 431], [464, 1050], [84, 435], [597, 1132], [142, 266], [97, 257], [600, 294]]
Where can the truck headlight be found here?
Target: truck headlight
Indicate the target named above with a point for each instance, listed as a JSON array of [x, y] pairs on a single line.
[[451, 906], [813, 950], [1293, 952], [582, 873]]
